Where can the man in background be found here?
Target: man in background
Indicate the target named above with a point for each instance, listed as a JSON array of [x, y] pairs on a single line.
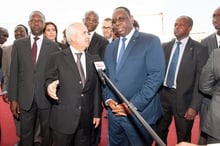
[[26, 90], [97, 46], [179, 95], [20, 31], [212, 42], [107, 29], [3, 38]]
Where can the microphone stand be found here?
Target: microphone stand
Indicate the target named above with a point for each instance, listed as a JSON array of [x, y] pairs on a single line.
[[134, 111]]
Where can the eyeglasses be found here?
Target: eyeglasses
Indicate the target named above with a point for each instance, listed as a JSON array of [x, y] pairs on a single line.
[[107, 28], [4, 35], [120, 19], [216, 17], [36, 21]]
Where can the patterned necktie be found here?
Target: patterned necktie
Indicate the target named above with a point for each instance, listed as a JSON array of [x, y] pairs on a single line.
[[34, 50], [172, 69], [80, 68], [121, 53]]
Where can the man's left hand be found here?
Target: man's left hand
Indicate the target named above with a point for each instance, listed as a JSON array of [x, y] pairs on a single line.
[[96, 122], [190, 114]]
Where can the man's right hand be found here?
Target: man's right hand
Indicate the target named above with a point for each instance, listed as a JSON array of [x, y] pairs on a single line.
[[112, 104], [14, 106], [5, 98], [52, 89]]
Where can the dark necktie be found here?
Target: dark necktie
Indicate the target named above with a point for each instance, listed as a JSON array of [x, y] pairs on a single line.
[[34, 50], [172, 69], [121, 53], [80, 68]]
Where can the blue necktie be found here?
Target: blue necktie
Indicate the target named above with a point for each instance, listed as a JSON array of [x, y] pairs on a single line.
[[121, 53], [172, 69]]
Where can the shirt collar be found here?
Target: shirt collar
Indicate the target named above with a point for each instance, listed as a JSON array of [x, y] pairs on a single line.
[[74, 51], [183, 41], [128, 37], [40, 36]]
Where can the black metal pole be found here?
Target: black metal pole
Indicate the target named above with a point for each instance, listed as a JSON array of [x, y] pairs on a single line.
[[135, 112]]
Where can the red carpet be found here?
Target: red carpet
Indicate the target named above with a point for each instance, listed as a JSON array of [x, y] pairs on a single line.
[[9, 137]]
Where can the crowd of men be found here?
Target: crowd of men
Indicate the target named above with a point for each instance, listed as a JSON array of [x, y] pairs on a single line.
[[57, 98]]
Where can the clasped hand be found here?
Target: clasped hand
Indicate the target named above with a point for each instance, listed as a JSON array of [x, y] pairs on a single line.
[[119, 109]]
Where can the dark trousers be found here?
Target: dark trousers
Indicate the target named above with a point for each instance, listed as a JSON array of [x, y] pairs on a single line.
[[28, 122], [80, 138], [127, 131], [183, 126], [37, 137]]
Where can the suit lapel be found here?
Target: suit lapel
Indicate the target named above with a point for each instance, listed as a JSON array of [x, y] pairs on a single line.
[[69, 59], [213, 41], [115, 51], [93, 41], [42, 51], [168, 51], [186, 58], [128, 49]]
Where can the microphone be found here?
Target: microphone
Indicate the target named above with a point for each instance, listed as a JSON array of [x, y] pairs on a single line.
[[100, 66]]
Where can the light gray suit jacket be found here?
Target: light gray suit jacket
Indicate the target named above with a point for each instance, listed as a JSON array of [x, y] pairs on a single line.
[[210, 42], [210, 84], [6, 61]]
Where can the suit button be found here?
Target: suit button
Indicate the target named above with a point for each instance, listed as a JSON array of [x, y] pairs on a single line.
[[79, 107], [80, 82], [82, 95]]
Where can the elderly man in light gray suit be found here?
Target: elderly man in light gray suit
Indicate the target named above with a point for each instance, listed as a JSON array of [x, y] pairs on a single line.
[[209, 84]]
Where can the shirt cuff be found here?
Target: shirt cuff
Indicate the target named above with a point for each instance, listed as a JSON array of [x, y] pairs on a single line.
[[106, 102], [3, 92]]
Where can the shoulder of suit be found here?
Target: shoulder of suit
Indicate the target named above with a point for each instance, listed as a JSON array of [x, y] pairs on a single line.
[[211, 36], [6, 47], [100, 37]]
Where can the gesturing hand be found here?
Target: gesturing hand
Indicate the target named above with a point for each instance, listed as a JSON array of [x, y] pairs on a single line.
[[52, 89]]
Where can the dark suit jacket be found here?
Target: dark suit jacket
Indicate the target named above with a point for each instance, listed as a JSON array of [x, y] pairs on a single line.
[[193, 59], [140, 75], [26, 80], [74, 102], [97, 45]]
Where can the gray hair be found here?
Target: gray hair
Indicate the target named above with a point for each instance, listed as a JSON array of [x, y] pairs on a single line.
[[91, 11], [70, 30], [39, 13]]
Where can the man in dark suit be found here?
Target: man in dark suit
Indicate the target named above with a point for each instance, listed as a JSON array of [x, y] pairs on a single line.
[[212, 42], [179, 94], [97, 42], [76, 91], [96, 47], [138, 75], [26, 90]]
